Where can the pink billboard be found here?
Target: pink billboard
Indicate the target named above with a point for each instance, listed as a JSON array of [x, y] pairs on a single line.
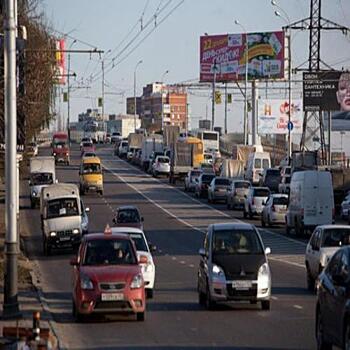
[[225, 56]]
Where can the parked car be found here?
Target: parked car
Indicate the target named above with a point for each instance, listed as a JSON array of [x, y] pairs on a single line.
[[128, 216], [190, 179], [253, 204], [107, 277], [218, 188], [270, 178], [161, 166], [142, 248], [202, 184], [324, 242], [233, 266], [311, 201], [275, 209], [333, 302], [345, 206], [235, 195]]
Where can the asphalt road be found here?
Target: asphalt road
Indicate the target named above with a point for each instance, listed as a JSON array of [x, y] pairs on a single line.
[[174, 222]]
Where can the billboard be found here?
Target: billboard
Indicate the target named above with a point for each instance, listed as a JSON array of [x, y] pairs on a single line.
[[225, 56], [61, 61], [273, 116], [328, 91]]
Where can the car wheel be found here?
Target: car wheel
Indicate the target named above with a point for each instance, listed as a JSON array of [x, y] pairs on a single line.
[[310, 281], [140, 316], [265, 304], [149, 293], [101, 192], [209, 303], [78, 317], [201, 298], [322, 344]]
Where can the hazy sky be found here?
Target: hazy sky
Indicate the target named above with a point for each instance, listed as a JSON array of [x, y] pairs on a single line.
[[174, 43]]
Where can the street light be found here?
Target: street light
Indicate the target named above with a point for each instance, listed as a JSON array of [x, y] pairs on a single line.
[[286, 18], [245, 123], [68, 91], [164, 74], [138, 63]]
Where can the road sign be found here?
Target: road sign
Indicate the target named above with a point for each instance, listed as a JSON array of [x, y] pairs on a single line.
[[290, 126]]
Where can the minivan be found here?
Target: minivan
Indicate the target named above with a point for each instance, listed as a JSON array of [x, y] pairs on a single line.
[[256, 164]]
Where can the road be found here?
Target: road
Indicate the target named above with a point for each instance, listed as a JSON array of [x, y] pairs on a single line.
[[175, 222]]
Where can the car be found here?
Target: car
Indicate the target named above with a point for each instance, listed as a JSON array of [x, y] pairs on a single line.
[[108, 138], [275, 209], [207, 168], [284, 186], [87, 147], [115, 137], [253, 204], [107, 277], [32, 149], [161, 166], [123, 149], [128, 216], [202, 184], [85, 139], [324, 242], [345, 206], [233, 266], [270, 178], [218, 188], [152, 159], [333, 303], [89, 155], [131, 153], [142, 248], [190, 179], [236, 192]]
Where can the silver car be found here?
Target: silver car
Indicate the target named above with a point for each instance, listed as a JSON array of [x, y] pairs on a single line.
[[233, 266], [255, 201], [218, 188], [275, 210], [236, 193], [161, 166]]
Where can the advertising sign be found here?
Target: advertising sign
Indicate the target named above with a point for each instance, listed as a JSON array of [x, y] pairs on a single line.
[[61, 61], [224, 58], [328, 91], [273, 117]]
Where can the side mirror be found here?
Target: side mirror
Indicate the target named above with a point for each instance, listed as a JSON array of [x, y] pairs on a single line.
[[152, 248], [267, 250], [87, 210], [74, 261], [143, 259], [114, 221], [202, 252], [142, 219]]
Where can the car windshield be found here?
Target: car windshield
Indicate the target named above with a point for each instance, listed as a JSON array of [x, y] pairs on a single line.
[[139, 241], [335, 237], [128, 216], [91, 168], [124, 144], [207, 178], [89, 155], [280, 201], [273, 173], [242, 184], [261, 192], [230, 242], [62, 207], [41, 179], [222, 182], [208, 156], [195, 173], [60, 145], [163, 160], [257, 163], [109, 252]]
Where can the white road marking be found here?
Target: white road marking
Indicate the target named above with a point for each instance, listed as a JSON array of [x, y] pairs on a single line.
[[274, 298], [182, 262], [191, 265], [298, 307], [173, 258]]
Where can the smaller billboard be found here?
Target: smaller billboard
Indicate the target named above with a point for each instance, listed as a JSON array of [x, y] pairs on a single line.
[[273, 116]]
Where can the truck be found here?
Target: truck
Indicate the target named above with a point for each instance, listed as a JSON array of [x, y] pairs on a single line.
[[305, 160], [135, 140], [61, 216], [232, 168], [60, 147], [42, 173], [170, 135], [150, 144], [187, 153]]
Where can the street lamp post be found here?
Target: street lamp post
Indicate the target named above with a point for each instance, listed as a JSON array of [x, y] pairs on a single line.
[[138, 63], [245, 122], [162, 122], [68, 91], [286, 18]]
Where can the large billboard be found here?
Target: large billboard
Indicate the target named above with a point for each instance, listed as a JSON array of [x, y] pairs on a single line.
[[273, 116], [225, 56], [328, 91]]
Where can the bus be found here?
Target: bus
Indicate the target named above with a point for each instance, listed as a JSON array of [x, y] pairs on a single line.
[[209, 138]]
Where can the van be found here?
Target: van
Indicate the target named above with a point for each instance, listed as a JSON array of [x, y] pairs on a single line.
[[311, 201], [60, 211], [256, 164], [90, 175]]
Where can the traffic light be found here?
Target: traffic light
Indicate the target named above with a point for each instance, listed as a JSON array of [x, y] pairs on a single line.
[[100, 102], [229, 98], [65, 97], [217, 97]]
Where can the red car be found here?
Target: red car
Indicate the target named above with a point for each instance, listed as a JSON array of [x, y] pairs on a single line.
[[107, 277]]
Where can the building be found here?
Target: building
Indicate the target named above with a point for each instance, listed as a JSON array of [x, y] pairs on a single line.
[[157, 97]]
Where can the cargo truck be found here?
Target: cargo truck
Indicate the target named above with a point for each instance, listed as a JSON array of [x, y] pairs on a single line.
[[150, 144]]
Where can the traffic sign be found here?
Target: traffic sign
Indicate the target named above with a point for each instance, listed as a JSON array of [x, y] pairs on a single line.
[[290, 126]]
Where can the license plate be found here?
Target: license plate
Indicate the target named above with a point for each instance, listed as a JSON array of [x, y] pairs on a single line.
[[64, 239], [92, 187], [112, 296], [242, 285]]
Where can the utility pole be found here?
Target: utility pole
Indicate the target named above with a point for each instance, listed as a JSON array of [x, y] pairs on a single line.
[[213, 99], [103, 89], [138, 63], [225, 108], [10, 307]]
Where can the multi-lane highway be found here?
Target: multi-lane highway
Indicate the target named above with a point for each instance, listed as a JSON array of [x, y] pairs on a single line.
[[175, 222]]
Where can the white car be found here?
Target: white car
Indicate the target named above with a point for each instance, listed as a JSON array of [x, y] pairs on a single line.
[[324, 242], [253, 203], [275, 209], [84, 140], [190, 179], [142, 248], [345, 206], [161, 166]]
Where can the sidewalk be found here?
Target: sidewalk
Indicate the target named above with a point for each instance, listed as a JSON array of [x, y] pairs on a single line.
[[29, 295]]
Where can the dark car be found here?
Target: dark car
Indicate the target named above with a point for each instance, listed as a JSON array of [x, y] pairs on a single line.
[[333, 302], [271, 178], [128, 216]]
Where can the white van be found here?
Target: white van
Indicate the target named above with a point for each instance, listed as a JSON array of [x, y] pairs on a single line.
[[311, 201], [61, 212], [256, 164]]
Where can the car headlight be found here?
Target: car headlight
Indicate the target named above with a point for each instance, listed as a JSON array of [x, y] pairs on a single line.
[[136, 282], [264, 271], [53, 234], [86, 283], [34, 194], [54, 153], [218, 271], [76, 231]]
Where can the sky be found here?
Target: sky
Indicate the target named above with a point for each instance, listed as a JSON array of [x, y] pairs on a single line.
[[170, 42]]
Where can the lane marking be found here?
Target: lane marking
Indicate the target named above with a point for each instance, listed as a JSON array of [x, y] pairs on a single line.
[[298, 307], [273, 297], [182, 262]]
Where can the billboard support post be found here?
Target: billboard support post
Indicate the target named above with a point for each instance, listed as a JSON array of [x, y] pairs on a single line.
[[225, 108], [255, 138], [289, 95], [245, 123], [329, 138], [213, 101]]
